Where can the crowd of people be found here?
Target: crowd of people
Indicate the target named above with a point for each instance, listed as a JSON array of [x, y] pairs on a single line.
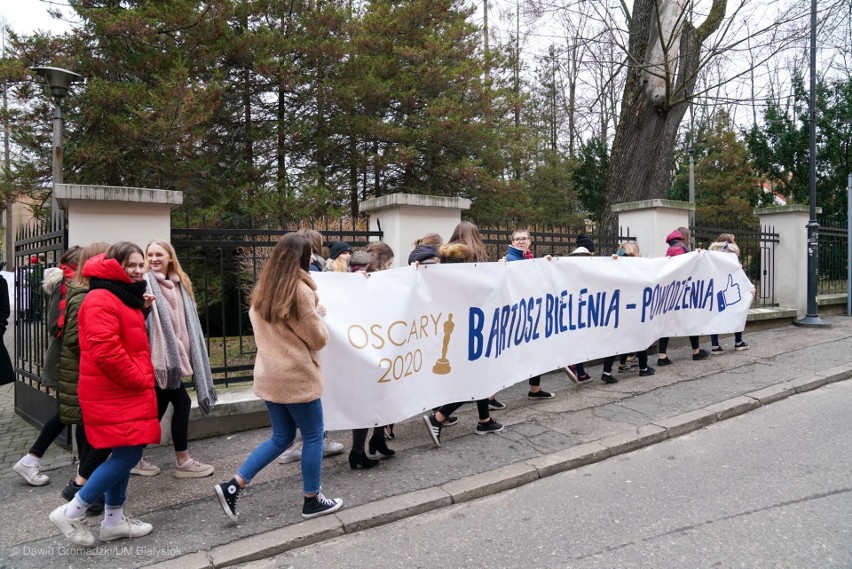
[[125, 338]]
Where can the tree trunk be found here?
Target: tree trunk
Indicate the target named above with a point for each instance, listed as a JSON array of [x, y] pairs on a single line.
[[663, 67]]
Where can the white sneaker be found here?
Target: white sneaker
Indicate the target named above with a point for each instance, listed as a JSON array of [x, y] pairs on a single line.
[[145, 468], [73, 528], [129, 527], [330, 447], [31, 473], [193, 468], [294, 453]]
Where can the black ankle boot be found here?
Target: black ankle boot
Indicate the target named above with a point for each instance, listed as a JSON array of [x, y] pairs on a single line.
[[357, 459], [377, 443]]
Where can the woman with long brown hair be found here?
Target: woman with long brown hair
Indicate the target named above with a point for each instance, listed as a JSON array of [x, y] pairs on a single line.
[[287, 319], [116, 391], [465, 246]]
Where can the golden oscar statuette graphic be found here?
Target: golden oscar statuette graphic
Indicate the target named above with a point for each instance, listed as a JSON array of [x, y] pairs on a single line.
[[442, 366]]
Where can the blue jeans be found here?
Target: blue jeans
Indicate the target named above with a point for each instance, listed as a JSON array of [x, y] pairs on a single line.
[[110, 478], [285, 419]]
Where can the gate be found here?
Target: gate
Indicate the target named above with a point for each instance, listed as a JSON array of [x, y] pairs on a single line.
[[38, 245], [223, 262]]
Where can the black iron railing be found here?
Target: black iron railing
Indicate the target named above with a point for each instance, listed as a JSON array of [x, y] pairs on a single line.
[[757, 256]]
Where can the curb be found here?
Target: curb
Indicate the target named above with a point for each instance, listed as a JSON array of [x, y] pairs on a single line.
[[395, 508]]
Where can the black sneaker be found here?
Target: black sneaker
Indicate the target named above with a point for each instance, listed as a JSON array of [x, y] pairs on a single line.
[[629, 366], [491, 426], [716, 350], [664, 361], [228, 493], [494, 404], [319, 505], [608, 378], [741, 346], [71, 490], [434, 428], [450, 421], [647, 371], [701, 355], [541, 394], [97, 508]]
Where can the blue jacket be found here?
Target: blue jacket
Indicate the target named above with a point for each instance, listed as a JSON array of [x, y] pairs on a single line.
[[514, 254]]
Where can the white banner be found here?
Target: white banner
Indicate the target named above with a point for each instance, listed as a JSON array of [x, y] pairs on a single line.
[[406, 340]]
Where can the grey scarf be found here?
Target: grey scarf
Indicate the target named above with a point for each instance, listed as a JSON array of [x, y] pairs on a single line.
[[164, 350]]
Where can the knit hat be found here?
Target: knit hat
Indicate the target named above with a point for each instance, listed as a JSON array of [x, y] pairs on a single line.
[[338, 247], [586, 241]]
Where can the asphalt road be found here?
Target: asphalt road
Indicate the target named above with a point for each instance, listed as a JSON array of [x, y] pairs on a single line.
[[769, 489]]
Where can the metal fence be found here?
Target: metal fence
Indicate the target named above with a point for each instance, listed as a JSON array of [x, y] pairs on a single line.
[[223, 263], [38, 245], [833, 257], [557, 241], [757, 256]]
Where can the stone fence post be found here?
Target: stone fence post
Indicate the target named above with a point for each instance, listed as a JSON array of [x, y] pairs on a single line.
[[111, 213], [403, 218], [791, 253], [650, 221]]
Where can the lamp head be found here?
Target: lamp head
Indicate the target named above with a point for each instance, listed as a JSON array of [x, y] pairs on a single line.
[[59, 80]]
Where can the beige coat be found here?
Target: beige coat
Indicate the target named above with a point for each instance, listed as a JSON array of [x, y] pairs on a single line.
[[287, 366]]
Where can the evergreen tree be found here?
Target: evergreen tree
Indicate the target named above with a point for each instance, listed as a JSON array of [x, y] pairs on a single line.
[[780, 146], [727, 187], [590, 177]]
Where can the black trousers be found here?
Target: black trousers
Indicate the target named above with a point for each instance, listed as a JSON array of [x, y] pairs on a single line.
[[51, 429], [481, 408], [609, 360], [182, 403], [90, 457], [664, 343]]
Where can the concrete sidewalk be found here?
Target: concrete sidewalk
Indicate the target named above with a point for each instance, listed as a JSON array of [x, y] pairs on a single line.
[[583, 424]]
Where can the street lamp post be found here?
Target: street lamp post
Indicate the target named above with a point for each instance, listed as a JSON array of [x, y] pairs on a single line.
[[812, 317], [59, 80], [691, 216]]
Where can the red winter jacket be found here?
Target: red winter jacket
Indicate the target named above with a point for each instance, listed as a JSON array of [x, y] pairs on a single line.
[[116, 389], [677, 244]]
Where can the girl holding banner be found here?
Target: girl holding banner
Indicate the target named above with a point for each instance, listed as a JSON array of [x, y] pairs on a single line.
[[678, 241], [465, 246]]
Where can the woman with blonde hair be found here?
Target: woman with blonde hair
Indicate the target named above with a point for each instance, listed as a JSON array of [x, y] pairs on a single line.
[[726, 243], [178, 350], [289, 330]]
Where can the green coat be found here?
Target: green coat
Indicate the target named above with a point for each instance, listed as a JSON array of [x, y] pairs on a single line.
[[69, 359]]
